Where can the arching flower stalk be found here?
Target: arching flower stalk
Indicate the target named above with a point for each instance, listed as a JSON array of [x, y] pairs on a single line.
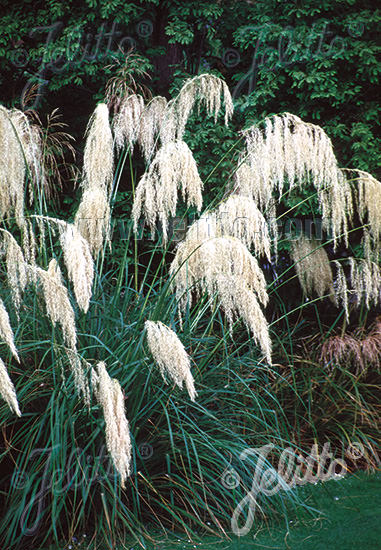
[[170, 355], [156, 194], [110, 396]]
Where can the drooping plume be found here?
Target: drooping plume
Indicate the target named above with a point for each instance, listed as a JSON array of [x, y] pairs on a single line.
[[57, 302], [150, 123], [13, 169], [365, 281], [204, 89], [110, 396], [93, 215], [16, 269], [341, 288], [156, 194], [170, 355], [240, 217], [77, 257], [93, 218], [126, 123], [6, 332], [312, 267], [79, 264], [368, 202], [224, 267], [98, 156], [7, 389], [289, 149]]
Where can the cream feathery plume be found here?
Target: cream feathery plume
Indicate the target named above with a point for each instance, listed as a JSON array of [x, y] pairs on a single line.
[[57, 301], [200, 264], [12, 169], [341, 288], [78, 365], [301, 153], [93, 218], [98, 156], [225, 267], [150, 123], [240, 217], [126, 122], [16, 269], [312, 267], [204, 88], [77, 258], [7, 390], [6, 332], [110, 396], [366, 281], [368, 202], [170, 355], [79, 264], [31, 143], [156, 193]]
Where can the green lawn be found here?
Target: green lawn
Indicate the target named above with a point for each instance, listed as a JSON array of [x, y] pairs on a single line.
[[350, 518]]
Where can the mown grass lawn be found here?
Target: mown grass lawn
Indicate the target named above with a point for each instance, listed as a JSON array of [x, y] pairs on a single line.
[[349, 518]]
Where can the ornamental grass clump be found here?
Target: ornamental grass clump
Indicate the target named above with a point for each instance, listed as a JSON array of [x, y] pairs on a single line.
[[245, 400], [170, 356]]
